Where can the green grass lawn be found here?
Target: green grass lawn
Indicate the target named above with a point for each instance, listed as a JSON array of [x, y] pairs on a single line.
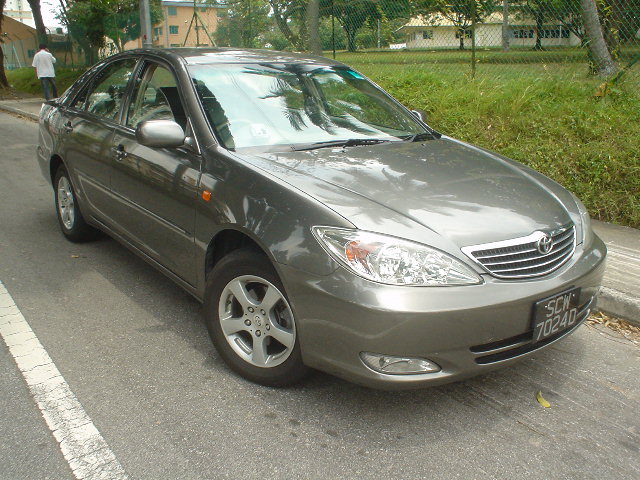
[[516, 55], [543, 114], [24, 79]]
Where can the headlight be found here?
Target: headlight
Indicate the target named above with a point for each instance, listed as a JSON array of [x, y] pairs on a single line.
[[392, 260], [585, 220]]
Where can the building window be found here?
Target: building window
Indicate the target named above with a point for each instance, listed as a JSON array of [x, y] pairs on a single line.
[[558, 32], [157, 31], [427, 35], [522, 33], [173, 11], [176, 45], [173, 29], [467, 33]]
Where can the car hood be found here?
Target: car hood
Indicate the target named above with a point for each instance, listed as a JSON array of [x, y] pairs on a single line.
[[454, 189]]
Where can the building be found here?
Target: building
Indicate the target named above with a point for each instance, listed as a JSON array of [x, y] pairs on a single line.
[[436, 31], [19, 43], [178, 17], [19, 10]]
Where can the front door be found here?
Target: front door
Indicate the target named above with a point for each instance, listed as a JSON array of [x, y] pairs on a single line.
[[155, 189]]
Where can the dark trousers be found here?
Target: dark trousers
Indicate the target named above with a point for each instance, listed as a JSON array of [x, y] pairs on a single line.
[[48, 87]]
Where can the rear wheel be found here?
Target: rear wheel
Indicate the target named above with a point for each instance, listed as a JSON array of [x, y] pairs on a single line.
[[250, 320], [70, 218]]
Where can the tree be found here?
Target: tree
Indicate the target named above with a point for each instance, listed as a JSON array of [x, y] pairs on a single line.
[[4, 83], [352, 16], [90, 21], [542, 11], [37, 19], [290, 17], [122, 23], [245, 22], [603, 64]]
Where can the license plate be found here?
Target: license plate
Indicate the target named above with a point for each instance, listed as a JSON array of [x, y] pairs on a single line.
[[555, 314]]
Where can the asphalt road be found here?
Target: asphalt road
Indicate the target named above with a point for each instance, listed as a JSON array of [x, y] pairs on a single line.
[[135, 352]]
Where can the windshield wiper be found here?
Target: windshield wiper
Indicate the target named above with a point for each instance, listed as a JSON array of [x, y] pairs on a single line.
[[419, 137], [352, 142]]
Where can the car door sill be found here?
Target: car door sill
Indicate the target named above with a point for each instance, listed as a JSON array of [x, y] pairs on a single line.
[[168, 273]]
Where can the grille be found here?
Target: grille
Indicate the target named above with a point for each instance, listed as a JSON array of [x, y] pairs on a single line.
[[520, 257]]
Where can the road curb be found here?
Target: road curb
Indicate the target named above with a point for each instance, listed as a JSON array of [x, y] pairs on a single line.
[[619, 304], [10, 109]]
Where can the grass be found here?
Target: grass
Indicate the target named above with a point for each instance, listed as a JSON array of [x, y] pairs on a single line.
[[516, 55], [24, 79], [542, 114]]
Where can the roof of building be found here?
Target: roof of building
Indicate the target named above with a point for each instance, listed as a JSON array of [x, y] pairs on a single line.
[[15, 30]]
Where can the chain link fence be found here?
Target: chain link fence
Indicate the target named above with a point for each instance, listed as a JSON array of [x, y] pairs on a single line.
[[471, 37], [468, 37]]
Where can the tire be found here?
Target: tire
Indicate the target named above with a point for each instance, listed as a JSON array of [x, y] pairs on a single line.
[[70, 218], [250, 321]]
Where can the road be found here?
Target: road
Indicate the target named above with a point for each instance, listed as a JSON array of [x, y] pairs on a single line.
[[133, 349]]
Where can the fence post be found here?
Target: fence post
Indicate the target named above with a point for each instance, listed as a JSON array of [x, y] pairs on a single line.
[[333, 30], [473, 40]]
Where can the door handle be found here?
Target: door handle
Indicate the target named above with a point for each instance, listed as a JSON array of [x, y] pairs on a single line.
[[68, 127], [120, 153]]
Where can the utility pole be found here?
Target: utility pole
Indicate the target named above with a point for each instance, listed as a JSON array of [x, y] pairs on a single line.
[[145, 24]]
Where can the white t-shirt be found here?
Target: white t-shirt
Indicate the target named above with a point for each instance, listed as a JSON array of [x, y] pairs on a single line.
[[43, 61]]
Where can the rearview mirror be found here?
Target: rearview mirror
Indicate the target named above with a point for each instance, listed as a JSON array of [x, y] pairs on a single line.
[[160, 133], [420, 115]]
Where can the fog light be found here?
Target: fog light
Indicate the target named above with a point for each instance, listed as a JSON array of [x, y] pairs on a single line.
[[397, 365]]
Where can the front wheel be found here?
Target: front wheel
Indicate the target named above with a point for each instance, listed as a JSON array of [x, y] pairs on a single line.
[[250, 320]]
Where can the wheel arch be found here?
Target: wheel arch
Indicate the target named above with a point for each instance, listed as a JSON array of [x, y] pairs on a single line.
[[227, 241], [54, 164]]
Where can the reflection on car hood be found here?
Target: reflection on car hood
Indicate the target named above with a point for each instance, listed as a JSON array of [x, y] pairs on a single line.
[[454, 189]]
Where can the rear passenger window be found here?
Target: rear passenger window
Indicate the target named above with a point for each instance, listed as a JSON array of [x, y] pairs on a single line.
[[105, 97]]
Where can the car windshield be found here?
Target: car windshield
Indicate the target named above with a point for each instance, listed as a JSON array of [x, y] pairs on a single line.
[[297, 106]]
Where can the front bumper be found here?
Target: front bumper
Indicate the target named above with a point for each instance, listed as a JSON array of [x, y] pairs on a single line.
[[466, 330]]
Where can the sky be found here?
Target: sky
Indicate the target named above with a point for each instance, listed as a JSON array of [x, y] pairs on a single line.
[[48, 8]]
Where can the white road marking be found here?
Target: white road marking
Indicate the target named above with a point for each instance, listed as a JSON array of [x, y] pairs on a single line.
[[83, 447]]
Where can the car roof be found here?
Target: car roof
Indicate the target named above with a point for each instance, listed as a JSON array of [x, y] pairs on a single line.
[[200, 56]]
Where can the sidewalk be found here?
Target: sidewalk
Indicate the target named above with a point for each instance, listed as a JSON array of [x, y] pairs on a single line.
[[27, 107], [620, 294]]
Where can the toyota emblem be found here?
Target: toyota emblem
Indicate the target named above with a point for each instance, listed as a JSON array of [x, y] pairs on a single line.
[[545, 244]]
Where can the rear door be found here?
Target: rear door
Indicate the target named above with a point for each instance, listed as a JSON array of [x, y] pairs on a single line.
[[155, 189], [87, 128]]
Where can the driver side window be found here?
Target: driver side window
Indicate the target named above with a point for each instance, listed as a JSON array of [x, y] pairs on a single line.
[[156, 98]]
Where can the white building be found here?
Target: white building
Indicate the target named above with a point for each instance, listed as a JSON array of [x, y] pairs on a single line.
[[436, 31], [19, 10]]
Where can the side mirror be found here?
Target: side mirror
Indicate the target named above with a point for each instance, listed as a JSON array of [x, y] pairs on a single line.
[[160, 133], [420, 115]]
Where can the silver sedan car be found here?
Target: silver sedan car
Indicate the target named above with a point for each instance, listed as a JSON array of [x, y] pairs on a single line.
[[322, 224]]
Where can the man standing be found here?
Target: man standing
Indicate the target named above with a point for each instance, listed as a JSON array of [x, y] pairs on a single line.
[[43, 62]]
